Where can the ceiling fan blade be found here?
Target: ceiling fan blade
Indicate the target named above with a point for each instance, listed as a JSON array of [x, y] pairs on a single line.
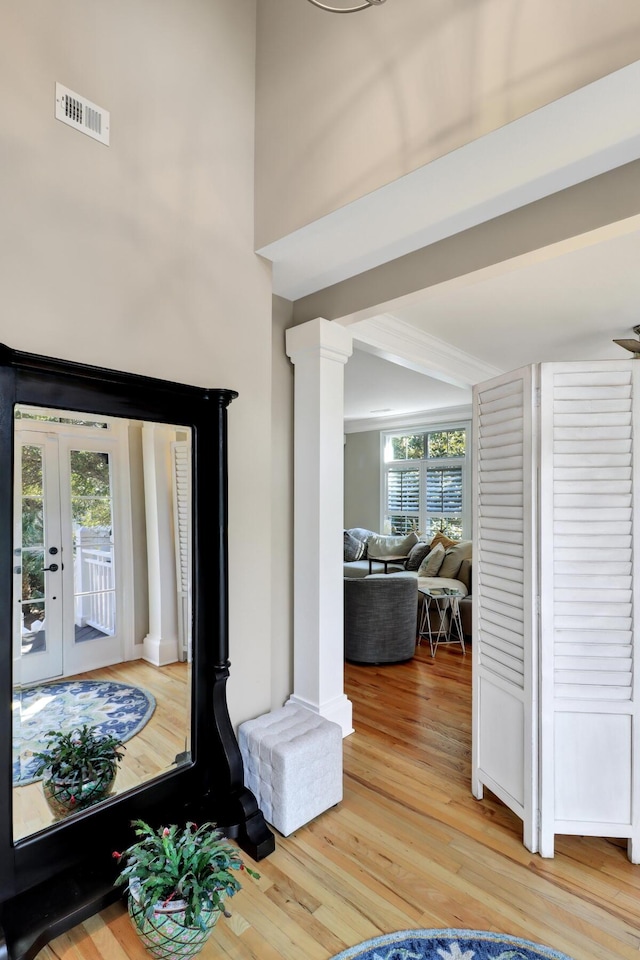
[[632, 345]]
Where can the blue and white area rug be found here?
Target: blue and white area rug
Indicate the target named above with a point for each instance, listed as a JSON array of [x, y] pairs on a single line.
[[449, 945], [118, 709]]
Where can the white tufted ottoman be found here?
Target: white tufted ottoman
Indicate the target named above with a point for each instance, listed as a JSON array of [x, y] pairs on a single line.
[[292, 764]]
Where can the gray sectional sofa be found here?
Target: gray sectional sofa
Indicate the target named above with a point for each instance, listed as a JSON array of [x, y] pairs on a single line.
[[439, 562]]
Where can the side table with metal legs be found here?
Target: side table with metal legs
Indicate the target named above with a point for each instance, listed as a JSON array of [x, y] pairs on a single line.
[[449, 627]]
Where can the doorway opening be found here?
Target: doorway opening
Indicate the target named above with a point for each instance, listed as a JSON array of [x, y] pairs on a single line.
[[69, 538]]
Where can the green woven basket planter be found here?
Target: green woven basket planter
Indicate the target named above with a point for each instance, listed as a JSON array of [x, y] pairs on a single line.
[[64, 798], [165, 934]]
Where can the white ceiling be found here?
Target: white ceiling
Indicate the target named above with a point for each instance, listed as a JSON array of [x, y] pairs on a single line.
[[567, 303], [567, 308], [375, 388]]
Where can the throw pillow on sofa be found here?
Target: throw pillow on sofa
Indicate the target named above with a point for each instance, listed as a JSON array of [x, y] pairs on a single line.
[[354, 549], [381, 546], [361, 533], [417, 555], [430, 566], [453, 558], [444, 540]]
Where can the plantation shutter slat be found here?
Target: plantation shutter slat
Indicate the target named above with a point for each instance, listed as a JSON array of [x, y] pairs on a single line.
[[503, 415], [509, 425], [505, 627], [509, 604], [493, 461], [613, 695], [502, 670], [513, 549], [506, 586]]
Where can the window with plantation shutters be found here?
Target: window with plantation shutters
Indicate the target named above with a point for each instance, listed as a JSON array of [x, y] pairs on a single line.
[[403, 499], [444, 491], [426, 487]]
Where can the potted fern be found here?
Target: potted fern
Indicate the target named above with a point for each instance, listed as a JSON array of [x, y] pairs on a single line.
[[78, 768], [178, 879]]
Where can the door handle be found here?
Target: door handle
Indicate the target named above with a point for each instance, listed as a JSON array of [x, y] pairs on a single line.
[[52, 568]]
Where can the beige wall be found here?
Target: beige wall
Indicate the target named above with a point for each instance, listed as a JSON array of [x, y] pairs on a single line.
[[349, 103], [282, 507], [362, 470], [139, 256]]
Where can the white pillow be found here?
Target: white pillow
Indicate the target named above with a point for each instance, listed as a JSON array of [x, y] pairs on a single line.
[[454, 556], [381, 546], [430, 566]]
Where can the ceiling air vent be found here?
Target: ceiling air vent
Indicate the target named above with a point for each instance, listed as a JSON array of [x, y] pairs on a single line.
[[80, 113]]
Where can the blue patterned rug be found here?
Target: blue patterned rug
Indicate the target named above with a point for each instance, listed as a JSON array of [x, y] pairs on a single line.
[[449, 945], [115, 708]]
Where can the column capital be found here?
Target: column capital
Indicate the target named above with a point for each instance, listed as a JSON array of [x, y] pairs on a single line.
[[319, 337]]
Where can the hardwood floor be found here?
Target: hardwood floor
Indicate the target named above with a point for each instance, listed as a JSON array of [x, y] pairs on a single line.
[[150, 752], [409, 847]]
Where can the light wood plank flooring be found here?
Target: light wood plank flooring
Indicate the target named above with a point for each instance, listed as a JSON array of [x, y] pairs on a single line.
[[409, 847], [148, 753]]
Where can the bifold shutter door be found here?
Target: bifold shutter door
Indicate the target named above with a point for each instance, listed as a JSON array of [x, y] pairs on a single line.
[[504, 649], [588, 467]]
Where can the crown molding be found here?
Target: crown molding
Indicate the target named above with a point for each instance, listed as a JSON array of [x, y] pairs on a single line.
[[400, 342], [420, 418]]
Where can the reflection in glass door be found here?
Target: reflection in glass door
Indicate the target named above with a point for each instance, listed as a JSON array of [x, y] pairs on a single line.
[[67, 552], [37, 575], [94, 591]]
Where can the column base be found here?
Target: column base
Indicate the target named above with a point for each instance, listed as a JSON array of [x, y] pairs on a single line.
[[338, 711], [159, 652]]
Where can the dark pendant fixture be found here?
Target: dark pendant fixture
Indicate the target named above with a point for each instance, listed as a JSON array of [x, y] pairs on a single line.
[[350, 9]]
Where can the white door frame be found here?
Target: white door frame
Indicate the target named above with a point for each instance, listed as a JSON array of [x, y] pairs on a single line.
[[112, 439]]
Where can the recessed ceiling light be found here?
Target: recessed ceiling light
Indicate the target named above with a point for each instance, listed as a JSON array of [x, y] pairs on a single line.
[[383, 410]]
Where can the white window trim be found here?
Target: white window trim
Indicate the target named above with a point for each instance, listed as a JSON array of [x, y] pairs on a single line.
[[423, 465]]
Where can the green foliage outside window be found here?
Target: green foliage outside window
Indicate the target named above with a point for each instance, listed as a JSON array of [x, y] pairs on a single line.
[[436, 445], [446, 443], [408, 448], [90, 488], [90, 506], [450, 526], [32, 523]]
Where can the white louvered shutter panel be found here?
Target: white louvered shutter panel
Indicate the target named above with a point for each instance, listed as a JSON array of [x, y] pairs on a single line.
[[504, 650], [181, 465], [588, 696]]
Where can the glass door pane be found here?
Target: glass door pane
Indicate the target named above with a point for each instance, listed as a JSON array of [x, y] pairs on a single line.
[[94, 590], [32, 600], [37, 566]]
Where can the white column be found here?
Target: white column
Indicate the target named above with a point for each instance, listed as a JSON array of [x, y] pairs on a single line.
[[319, 349], [161, 643]]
